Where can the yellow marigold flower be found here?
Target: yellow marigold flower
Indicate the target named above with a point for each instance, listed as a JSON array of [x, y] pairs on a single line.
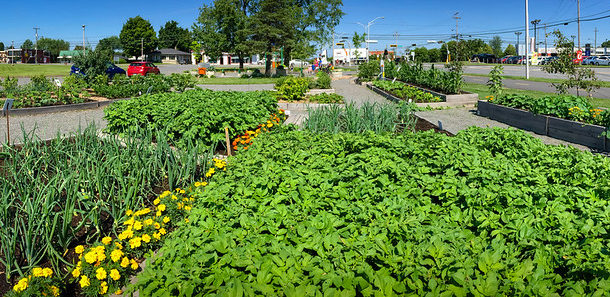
[[129, 222], [21, 285], [118, 292], [106, 240], [158, 214], [161, 207], [157, 236], [187, 208], [118, 245], [129, 212], [134, 264], [137, 225], [180, 205], [157, 225], [186, 220], [148, 222], [100, 273], [79, 264], [84, 281], [116, 255], [90, 257], [47, 272], [166, 219], [55, 290], [126, 234], [103, 288], [114, 274], [156, 201], [37, 272], [125, 262], [146, 238], [135, 242], [197, 184], [76, 272], [162, 231], [79, 249], [165, 194]]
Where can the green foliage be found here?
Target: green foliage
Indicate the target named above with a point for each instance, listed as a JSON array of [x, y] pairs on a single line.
[[27, 44], [566, 106], [605, 43], [92, 64], [510, 50], [322, 81], [172, 36], [53, 46], [378, 118], [42, 92], [326, 98], [73, 189], [1, 46], [109, 45], [447, 82], [490, 212], [133, 32], [125, 87], [578, 77], [496, 46], [406, 92], [495, 80], [369, 70], [292, 88], [197, 116]]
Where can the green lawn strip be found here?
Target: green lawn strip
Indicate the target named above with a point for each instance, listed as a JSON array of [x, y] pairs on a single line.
[[29, 70], [483, 91], [604, 84], [236, 81]]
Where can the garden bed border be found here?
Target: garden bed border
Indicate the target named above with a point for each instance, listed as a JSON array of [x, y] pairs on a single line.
[[393, 98], [588, 135], [465, 98], [61, 108]]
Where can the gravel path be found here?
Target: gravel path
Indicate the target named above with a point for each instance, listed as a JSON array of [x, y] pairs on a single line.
[[47, 126], [357, 94], [457, 119]]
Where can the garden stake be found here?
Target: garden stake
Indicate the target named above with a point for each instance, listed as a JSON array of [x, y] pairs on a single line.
[[8, 130], [228, 142]]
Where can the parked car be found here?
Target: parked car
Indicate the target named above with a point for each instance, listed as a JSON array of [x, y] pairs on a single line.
[[546, 60], [142, 68], [513, 60], [601, 60], [504, 59], [298, 63], [483, 58], [111, 70], [588, 60]]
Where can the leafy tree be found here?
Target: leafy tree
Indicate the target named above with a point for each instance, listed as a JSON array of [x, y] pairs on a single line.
[[92, 64], [53, 46], [510, 50], [421, 54], [80, 48], [496, 46], [135, 31], [434, 55], [172, 36], [606, 43], [196, 48], [27, 44], [112, 43], [578, 77], [357, 41], [1, 46], [224, 26]]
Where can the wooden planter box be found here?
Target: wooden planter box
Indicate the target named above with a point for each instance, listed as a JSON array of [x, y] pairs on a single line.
[[576, 132], [457, 99], [393, 98]]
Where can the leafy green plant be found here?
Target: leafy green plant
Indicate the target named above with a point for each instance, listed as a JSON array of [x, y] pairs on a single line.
[[447, 82], [326, 98], [322, 81], [292, 88], [369, 70], [490, 212], [495, 80], [406, 92]]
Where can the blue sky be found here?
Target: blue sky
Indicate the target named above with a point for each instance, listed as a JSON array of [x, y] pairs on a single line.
[[432, 18]]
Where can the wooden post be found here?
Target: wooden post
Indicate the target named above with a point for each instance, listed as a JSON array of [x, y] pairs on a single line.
[[228, 141]]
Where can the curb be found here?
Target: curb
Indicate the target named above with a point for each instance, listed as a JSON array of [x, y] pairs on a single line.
[[61, 108]]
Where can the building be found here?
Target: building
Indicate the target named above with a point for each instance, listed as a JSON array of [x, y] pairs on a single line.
[[349, 55], [170, 56], [3, 57], [35, 56], [66, 56]]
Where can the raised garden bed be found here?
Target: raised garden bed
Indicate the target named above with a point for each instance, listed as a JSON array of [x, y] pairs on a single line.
[[449, 100], [576, 132]]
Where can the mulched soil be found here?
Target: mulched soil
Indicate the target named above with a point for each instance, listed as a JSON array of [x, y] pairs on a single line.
[[423, 125]]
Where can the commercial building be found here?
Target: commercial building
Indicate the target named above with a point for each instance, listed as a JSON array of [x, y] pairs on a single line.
[[170, 56]]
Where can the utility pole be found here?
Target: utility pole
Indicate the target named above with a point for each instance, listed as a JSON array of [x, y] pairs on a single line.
[[142, 48], [36, 46], [573, 42], [578, 24], [457, 38], [535, 23], [518, 33], [595, 43], [527, 40], [13, 52], [84, 41], [546, 50]]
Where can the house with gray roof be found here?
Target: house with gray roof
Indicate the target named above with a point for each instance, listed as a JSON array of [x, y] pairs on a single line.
[[170, 56]]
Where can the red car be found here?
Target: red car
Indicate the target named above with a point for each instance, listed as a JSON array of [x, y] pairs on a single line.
[[142, 68]]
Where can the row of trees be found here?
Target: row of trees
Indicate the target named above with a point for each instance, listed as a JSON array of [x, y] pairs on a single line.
[[464, 49], [245, 27]]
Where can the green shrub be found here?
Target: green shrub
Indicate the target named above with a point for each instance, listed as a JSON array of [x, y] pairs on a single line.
[[447, 82], [292, 88], [369, 70], [322, 81], [91, 64], [326, 98], [197, 116], [406, 92]]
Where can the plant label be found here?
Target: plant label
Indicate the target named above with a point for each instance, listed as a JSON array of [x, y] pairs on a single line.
[[8, 105]]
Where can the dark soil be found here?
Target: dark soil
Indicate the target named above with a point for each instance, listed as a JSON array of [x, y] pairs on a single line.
[[423, 125]]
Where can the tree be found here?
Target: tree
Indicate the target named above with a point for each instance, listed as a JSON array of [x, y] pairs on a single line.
[[421, 54], [510, 50], [434, 55], [80, 48], [1, 46], [27, 44], [357, 41], [578, 77], [53, 46], [112, 43], [172, 36], [496, 46], [225, 27], [135, 32], [91, 64], [606, 43]]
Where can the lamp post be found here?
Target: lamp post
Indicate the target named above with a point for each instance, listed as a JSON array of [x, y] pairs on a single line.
[[518, 33], [368, 34]]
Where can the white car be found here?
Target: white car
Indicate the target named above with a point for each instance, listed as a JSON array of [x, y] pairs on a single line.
[[600, 60], [298, 63]]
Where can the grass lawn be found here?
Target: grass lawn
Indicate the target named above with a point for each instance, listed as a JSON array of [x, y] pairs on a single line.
[[236, 81], [603, 84], [483, 91], [29, 70]]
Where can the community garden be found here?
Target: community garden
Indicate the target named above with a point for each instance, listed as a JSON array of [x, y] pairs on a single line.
[[198, 192]]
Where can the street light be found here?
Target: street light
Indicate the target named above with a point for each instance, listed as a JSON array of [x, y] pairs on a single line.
[[535, 23], [368, 31]]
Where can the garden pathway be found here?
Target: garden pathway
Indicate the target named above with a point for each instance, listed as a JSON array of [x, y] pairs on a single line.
[[354, 93]]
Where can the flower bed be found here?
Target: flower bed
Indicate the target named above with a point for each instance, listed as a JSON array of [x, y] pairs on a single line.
[[418, 214]]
